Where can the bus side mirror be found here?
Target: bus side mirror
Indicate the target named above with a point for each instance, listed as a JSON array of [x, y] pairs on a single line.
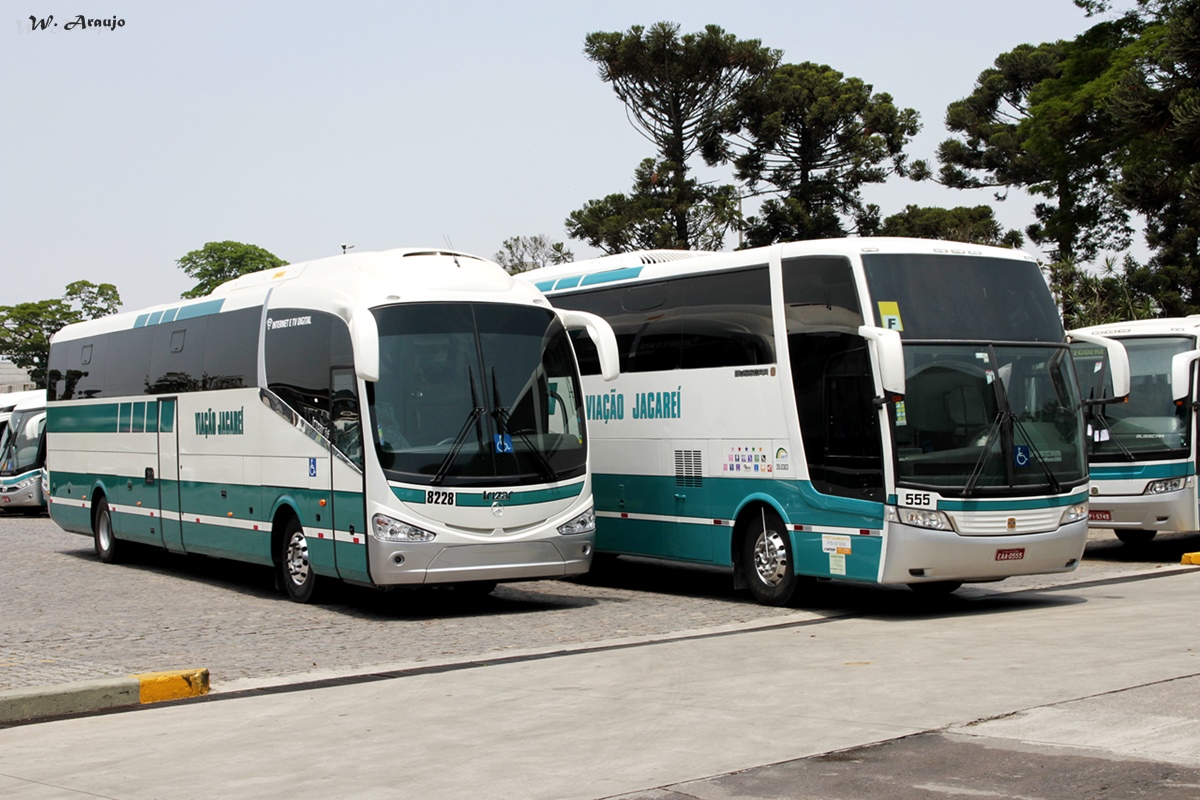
[[889, 353], [601, 334], [1181, 374], [1118, 361], [364, 334]]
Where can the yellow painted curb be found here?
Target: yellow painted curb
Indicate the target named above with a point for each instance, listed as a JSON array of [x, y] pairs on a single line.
[[158, 686], [1191, 558]]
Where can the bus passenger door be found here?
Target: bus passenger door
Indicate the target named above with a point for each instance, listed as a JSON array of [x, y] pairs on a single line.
[[346, 474], [168, 474]]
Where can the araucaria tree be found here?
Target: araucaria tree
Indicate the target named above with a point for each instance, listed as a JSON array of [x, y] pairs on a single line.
[[816, 138], [674, 89]]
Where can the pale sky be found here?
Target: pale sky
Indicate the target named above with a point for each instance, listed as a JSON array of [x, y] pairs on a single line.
[[298, 125]]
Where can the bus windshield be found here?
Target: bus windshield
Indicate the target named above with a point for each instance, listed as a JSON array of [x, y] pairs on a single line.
[[22, 439], [1149, 423], [978, 417], [476, 394]]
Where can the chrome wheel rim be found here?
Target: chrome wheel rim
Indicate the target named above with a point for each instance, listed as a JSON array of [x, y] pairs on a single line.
[[297, 558], [104, 531], [770, 558]]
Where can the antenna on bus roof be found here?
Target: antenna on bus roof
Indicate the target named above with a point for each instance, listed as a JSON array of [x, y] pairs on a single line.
[[346, 247]]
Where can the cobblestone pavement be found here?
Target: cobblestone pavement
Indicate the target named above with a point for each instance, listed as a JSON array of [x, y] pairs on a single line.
[[64, 616]]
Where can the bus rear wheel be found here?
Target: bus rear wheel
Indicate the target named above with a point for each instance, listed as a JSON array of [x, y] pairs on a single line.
[[108, 549], [768, 562], [295, 571]]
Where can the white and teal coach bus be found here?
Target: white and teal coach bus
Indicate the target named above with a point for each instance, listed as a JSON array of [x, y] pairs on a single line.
[[23, 454], [1143, 451], [880, 410], [394, 418]]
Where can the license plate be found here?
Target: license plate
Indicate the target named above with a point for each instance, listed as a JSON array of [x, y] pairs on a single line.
[[1010, 554], [1100, 516]]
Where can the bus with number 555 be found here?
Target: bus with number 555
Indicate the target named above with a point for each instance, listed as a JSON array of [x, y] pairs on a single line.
[[889, 411]]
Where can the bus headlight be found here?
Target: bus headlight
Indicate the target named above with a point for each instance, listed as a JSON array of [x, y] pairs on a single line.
[[584, 523], [387, 529], [25, 484], [1074, 513], [1164, 486], [919, 517]]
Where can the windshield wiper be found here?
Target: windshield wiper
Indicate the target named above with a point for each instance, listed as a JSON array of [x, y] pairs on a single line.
[[501, 415], [1103, 420], [977, 472], [473, 418]]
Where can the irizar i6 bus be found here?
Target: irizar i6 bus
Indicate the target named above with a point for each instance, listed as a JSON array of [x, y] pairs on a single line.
[[1143, 451], [879, 410], [23, 454], [395, 418]]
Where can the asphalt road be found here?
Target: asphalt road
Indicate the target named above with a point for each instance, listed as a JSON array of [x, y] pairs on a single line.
[[64, 616]]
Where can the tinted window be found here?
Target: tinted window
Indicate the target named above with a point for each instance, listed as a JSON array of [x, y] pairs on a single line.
[[301, 348], [968, 298], [709, 320]]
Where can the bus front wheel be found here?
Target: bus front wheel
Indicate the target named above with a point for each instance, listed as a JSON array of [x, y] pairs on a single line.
[[1135, 538], [295, 570], [108, 549], [768, 561]]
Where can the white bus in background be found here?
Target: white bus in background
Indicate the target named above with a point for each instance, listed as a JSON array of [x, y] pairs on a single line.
[[889, 411], [1143, 451], [396, 418], [10, 400], [23, 454]]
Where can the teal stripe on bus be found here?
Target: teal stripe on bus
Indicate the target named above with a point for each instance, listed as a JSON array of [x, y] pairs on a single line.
[[610, 276], [191, 311], [1002, 504], [1180, 469], [474, 498], [721, 498]]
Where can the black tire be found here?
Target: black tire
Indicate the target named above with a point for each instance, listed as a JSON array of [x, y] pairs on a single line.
[[108, 548], [295, 572], [768, 561], [936, 588], [1135, 538], [475, 588]]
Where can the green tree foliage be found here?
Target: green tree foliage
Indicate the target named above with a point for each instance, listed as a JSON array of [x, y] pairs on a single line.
[[674, 88], [218, 262], [1104, 297], [975, 224], [646, 218], [26, 328], [1156, 108], [522, 253], [816, 138], [1037, 121]]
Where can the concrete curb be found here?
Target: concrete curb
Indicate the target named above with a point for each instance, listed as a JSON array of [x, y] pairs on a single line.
[[102, 694], [1191, 558]]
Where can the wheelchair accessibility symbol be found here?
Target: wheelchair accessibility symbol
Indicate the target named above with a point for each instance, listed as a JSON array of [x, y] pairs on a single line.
[[1021, 455], [503, 443]]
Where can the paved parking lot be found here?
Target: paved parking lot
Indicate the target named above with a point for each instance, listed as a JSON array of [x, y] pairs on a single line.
[[66, 617]]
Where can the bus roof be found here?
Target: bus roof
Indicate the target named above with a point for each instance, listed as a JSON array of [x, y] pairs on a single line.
[[337, 284], [15, 400], [652, 264], [1188, 326]]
